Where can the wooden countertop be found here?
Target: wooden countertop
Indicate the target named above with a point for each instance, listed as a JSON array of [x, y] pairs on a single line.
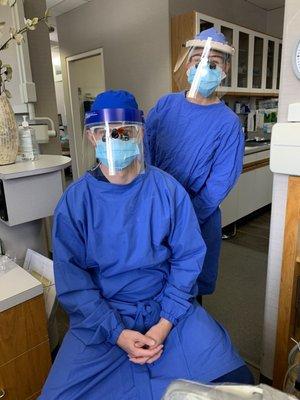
[[17, 286]]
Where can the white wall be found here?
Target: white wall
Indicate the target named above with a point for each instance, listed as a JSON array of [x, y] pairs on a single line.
[[59, 89], [275, 22], [61, 108], [134, 36]]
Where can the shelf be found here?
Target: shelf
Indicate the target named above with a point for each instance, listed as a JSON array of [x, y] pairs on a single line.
[[251, 94]]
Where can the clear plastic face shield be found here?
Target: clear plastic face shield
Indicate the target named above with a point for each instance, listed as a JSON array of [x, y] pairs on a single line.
[[203, 68], [117, 138]]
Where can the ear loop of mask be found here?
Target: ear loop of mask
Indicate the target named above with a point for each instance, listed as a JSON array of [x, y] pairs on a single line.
[[95, 144]]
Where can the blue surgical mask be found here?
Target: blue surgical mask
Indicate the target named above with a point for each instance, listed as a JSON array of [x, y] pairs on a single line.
[[209, 81], [123, 153]]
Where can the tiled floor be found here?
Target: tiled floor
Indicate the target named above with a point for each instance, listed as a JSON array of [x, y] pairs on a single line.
[[238, 302]]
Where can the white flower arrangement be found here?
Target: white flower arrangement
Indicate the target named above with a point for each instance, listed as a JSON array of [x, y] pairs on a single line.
[[16, 35]]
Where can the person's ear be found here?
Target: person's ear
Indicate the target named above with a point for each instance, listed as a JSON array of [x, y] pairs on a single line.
[[226, 67], [91, 137], [188, 66]]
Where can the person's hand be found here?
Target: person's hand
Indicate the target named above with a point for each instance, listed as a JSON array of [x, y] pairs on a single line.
[[146, 349], [159, 333]]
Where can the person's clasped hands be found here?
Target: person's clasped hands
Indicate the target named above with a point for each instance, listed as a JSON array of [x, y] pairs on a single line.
[[147, 348]]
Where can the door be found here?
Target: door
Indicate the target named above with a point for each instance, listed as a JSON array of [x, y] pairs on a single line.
[[86, 80]]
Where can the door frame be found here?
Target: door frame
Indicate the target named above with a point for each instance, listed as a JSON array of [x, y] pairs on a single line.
[[74, 128]]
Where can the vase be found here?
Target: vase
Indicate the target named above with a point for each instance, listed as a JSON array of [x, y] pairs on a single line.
[[9, 138]]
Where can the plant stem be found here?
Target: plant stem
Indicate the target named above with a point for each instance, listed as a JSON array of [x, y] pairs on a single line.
[[23, 30]]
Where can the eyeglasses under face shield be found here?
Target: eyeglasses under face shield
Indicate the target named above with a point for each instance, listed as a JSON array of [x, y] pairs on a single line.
[[123, 132], [214, 60]]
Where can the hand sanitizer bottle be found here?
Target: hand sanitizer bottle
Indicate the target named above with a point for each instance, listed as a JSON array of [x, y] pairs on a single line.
[[28, 147]]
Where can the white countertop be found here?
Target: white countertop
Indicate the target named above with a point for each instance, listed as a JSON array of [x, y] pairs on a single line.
[[17, 286], [46, 163], [256, 149]]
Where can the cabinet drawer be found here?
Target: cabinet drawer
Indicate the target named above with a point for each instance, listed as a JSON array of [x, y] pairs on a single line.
[[24, 376], [22, 328]]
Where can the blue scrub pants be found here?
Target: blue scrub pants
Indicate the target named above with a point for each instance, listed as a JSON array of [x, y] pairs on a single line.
[[211, 230], [240, 375]]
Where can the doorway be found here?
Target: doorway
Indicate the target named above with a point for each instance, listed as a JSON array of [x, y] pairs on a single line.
[[85, 73]]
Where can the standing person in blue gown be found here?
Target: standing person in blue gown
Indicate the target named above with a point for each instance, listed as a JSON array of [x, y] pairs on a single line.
[[127, 253], [197, 139]]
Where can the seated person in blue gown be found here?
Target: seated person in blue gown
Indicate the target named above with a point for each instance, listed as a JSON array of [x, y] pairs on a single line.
[[127, 254]]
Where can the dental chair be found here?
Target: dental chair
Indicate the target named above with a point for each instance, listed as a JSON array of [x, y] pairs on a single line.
[[185, 390]]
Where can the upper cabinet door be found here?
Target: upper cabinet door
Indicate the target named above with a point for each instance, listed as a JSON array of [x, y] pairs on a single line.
[[205, 25], [257, 72], [279, 65], [228, 33], [243, 60], [270, 64]]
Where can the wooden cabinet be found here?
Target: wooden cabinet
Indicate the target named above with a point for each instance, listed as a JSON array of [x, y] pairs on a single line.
[[255, 67], [24, 350], [288, 323]]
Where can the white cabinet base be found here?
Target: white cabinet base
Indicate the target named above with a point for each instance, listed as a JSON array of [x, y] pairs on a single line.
[[252, 192]]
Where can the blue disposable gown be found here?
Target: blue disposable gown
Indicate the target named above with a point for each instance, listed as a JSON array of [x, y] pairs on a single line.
[[124, 256], [203, 148]]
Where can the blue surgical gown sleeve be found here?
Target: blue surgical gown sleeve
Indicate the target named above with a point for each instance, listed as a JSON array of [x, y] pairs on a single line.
[[151, 125], [226, 168], [149, 136], [187, 255], [92, 319]]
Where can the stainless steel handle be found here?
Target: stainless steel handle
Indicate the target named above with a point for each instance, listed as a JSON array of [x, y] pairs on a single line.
[[2, 393]]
